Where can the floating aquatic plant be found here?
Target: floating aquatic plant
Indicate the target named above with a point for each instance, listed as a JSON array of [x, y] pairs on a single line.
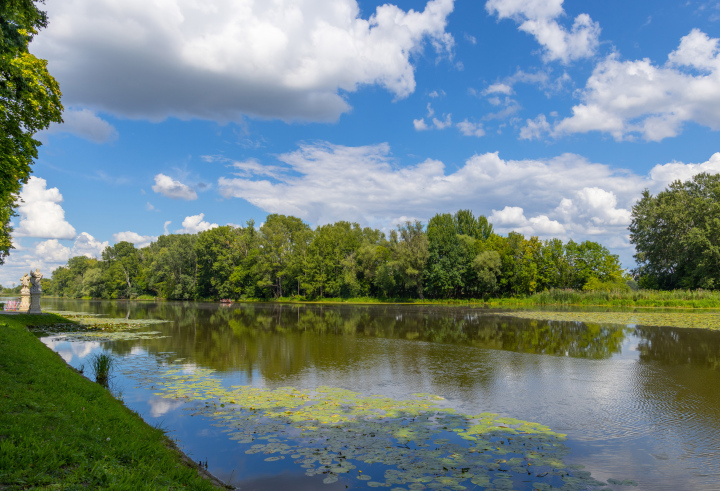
[[708, 320], [92, 327], [419, 444]]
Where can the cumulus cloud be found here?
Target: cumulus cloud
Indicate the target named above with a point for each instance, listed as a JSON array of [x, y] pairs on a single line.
[[194, 224], [435, 123], [135, 238], [88, 246], [85, 124], [535, 128], [469, 128], [565, 196], [220, 60], [539, 19], [674, 171], [512, 218], [48, 255], [167, 186], [52, 251], [40, 212], [631, 98], [498, 88]]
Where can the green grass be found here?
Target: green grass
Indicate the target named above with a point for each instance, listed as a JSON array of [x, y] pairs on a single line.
[[688, 299], [102, 364], [59, 430]]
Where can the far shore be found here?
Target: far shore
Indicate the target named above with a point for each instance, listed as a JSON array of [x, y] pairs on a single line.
[[644, 299]]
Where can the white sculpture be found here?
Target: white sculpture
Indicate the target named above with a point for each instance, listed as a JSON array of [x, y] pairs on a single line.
[[30, 293], [35, 277], [25, 282]]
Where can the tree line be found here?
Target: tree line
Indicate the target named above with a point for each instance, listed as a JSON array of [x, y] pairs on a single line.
[[454, 256]]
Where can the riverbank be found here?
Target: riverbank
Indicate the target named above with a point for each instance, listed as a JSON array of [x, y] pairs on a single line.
[[60, 430], [684, 299], [681, 299]]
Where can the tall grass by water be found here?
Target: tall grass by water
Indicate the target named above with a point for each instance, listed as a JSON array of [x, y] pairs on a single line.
[[102, 365], [694, 299], [688, 299]]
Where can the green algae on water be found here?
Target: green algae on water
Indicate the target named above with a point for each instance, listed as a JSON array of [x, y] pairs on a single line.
[[93, 327], [330, 431], [706, 320]]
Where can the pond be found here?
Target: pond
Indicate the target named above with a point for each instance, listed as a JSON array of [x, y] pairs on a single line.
[[279, 396]]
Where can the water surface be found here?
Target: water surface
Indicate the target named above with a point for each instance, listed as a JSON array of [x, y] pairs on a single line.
[[639, 403]]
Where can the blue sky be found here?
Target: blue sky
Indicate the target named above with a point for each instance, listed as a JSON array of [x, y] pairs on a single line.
[[548, 117]]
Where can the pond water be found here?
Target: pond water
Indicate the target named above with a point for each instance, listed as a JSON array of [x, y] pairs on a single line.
[[639, 405]]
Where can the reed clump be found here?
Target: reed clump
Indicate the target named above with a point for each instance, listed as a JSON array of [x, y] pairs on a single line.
[[102, 365]]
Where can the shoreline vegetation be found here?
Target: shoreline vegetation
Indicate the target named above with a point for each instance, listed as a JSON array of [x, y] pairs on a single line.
[[680, 299], [57, 428], [454, 259]]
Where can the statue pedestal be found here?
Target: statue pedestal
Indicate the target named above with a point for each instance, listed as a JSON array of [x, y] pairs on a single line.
[[24, 302], [35, 303]]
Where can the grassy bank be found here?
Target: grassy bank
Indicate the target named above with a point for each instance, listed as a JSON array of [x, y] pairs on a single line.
[[689, 299], [59, 430]]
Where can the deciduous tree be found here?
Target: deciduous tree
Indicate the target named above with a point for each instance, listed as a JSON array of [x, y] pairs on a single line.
[[30, 102], [677, 234]]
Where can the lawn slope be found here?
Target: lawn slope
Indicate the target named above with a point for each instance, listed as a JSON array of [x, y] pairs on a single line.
[[59, 430]]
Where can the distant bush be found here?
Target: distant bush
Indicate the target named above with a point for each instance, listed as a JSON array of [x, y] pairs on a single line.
[[595, 285]]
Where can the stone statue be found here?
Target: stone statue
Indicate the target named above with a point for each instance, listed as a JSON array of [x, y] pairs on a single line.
[[30, 293], [25, 282], [35, 278]]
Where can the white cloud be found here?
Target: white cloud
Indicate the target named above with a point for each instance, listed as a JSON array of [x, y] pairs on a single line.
[[469, 128], [600, 207], [52, 251], [420, 125], [566, 196], [512, 218], [140, 241], [441, 124], [667, 173], [435, 123], [470, 38], [220, 60], [40, 212], [629, 98], [535, 128], [171, 188], [48, 255], [165, 227], [538, 18], [85, 124], [86, 245], [194, 224], [498, 88]]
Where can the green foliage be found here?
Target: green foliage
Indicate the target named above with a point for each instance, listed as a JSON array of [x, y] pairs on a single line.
[[459, 256], [284, 241], [677, 235], [226, 262], [411, 255], [102, 364], [172, 266], [30, 102], [122, 270], [596, 285]]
